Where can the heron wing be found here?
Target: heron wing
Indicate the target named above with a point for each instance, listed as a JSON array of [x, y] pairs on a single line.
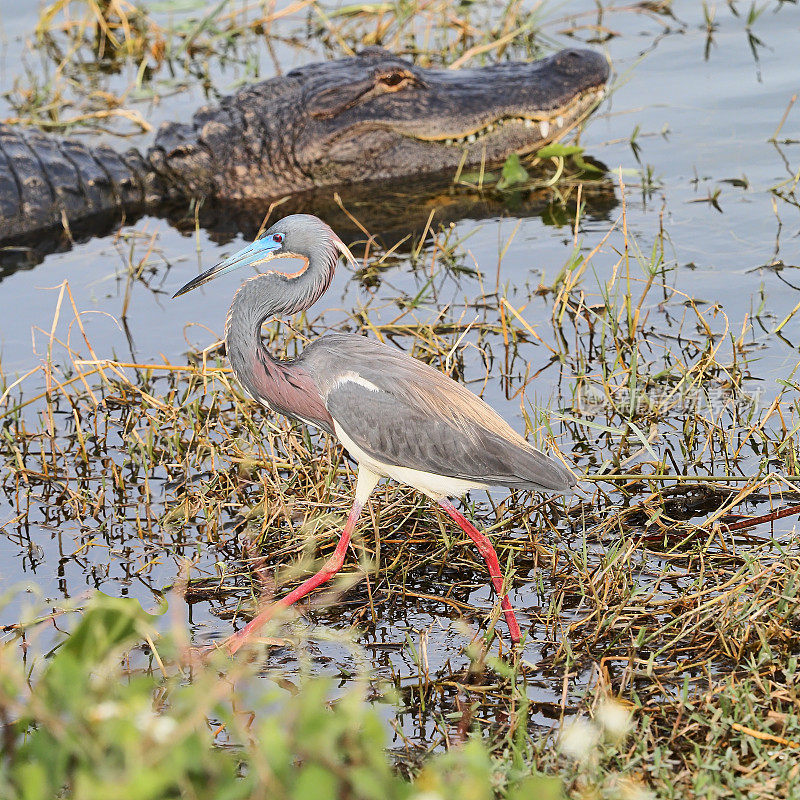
[[402, 412]]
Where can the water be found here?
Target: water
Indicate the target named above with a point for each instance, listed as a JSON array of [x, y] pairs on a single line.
[[687, 129]]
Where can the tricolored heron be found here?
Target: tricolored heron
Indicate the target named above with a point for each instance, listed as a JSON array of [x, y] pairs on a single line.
[[396, 416]]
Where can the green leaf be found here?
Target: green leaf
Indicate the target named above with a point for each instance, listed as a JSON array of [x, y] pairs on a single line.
[[513, 173], [477, 177], [556, 149], [585, 166], [314, 782], [107, 624], [33, 782], [538, 787]]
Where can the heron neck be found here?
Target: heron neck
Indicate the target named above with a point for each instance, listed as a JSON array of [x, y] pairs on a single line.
[[274, 294], [271, 381]]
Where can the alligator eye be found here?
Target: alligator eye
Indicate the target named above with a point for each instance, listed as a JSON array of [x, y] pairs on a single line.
[[394, 80]]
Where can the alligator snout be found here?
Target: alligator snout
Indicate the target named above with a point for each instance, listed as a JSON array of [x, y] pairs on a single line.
[[574, 61]]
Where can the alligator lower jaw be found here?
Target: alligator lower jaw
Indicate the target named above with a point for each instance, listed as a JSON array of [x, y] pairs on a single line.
[[552, 124]]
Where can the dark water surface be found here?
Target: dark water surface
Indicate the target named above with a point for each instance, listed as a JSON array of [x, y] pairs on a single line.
[[701, 117]]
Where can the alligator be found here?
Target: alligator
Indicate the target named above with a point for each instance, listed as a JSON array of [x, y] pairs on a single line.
[[373, 116]]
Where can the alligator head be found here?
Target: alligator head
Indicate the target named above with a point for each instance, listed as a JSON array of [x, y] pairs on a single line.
[[377, 116], [373, 116]]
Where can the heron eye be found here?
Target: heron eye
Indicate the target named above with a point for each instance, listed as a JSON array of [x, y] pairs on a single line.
[[277, 237]]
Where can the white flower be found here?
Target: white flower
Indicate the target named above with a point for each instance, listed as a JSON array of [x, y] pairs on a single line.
[[629, 789], [638, 792], [162, 729], [578, 738], [157, 727], [614, 718], [103, 711]]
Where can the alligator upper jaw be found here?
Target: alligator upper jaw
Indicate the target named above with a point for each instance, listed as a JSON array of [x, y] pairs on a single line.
[[489, 139], [535, 127], [448, 122]]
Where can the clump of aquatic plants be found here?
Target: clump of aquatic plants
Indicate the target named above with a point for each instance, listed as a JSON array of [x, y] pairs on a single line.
[[113, 709]]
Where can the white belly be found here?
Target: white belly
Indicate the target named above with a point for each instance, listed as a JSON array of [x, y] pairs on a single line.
[[430, 484]]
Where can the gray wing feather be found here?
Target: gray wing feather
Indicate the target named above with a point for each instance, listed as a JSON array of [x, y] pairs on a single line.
[[395, 425]]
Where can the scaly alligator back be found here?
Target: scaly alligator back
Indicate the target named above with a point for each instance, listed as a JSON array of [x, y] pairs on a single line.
[[47, 182]]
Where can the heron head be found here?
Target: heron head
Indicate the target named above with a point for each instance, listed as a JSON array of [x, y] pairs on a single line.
[[301, 236]]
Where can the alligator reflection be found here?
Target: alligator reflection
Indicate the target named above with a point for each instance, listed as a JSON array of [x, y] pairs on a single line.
[[400, 209]]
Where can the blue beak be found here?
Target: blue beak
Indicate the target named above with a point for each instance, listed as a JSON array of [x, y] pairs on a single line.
[[260, 250]]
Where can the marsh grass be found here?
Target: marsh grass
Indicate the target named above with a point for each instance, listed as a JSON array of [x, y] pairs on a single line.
[[670, 583], [109, 712], [104, 58]]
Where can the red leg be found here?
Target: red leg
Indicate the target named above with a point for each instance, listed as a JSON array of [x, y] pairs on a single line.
[[490, 557], [332, 566]]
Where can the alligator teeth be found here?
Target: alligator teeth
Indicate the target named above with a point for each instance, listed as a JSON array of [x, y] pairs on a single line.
[[471, 138]]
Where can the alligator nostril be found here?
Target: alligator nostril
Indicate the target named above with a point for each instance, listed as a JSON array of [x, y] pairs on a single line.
[[570, 59]]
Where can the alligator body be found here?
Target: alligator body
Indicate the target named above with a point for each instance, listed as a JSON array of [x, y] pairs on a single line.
[[370, 117]]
